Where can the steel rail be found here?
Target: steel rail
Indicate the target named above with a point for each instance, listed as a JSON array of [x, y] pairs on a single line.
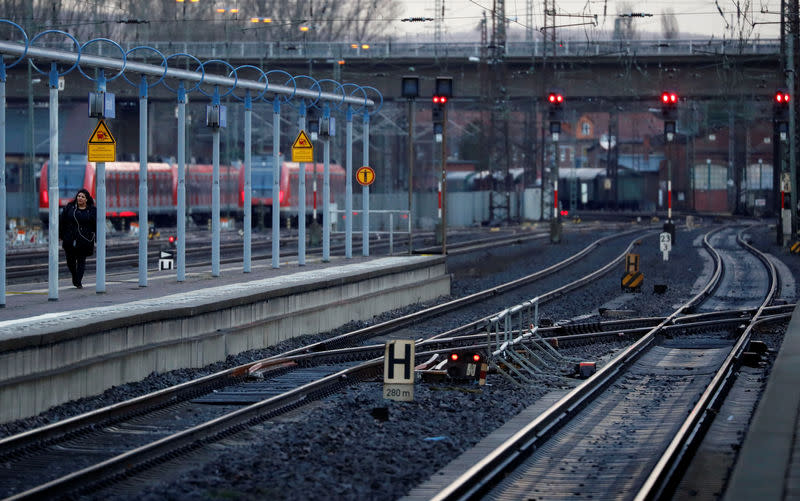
[[665, 474], [496, 463], [412, 318], [74, 426], [146, 456], [55, 55]]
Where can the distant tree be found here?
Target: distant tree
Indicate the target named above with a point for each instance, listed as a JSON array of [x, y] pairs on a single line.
[[624, 28], [669, 24], [160, 20]]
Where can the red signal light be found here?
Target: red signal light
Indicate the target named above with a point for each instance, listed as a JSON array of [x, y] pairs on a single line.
[[555, 98], [782, 97], [439, 99], [669, 98], [172, 239]]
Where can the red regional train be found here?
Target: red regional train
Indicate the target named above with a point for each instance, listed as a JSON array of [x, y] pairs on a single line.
[[122, 189], [261, 179]]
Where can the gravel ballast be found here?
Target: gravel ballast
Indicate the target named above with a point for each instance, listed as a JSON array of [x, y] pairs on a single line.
[[339, 449]]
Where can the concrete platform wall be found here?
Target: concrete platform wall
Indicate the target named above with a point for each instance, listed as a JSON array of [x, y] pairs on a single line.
[[42, 369]]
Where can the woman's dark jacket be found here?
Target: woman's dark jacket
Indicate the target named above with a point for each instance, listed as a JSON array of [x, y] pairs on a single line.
[[76, 229]]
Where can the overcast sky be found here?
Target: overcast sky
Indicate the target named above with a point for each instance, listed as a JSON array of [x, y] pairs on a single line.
[[701, 17]]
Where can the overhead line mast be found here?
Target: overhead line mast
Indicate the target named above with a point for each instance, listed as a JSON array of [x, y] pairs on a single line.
[[497, 101]]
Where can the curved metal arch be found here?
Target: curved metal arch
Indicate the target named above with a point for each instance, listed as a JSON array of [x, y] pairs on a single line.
[[47, 32], [24, 35], [200, 67], [263, 75], [380, 105], [163, 62], [319, 90], [233, 70], [340, 88], [287, 97], [112, 42], [357, 88]]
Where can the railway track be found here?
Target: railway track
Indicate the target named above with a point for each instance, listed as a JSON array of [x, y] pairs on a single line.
[[127, 437], [27, 266], [628, 431]]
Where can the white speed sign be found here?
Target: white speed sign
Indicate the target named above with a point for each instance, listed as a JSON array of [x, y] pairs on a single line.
[[665, 240]]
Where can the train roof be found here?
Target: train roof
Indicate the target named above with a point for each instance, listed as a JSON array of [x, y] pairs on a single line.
[[134, 166], [320, 166]]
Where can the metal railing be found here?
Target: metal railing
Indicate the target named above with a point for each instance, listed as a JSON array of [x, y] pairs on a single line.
[[515, 347], [390, 232]]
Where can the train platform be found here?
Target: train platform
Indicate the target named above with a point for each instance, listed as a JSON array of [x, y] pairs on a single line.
[[768, 465], [85, 342]]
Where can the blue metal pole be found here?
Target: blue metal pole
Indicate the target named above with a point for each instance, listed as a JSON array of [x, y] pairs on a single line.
[[248, 216], [143, 216], [3, 195], [326, 190], [301, 199], [215, 196], [52, 189], [276, 182], [100, 274], [348, 186], [365, 190], [181, 219]]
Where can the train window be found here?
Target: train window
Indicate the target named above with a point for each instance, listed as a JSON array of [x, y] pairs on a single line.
[[70, 179], [261, 182]]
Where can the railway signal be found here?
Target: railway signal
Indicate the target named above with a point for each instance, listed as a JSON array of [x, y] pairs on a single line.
[[555, 100], [780, 112], [442, 93], [438, 111], [669, 111], [464, 365]]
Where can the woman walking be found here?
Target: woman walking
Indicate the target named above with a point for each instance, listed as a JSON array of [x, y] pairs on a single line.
[[76, 229]]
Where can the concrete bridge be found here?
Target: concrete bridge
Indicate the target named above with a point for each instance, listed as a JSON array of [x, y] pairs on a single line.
[[616, 70]]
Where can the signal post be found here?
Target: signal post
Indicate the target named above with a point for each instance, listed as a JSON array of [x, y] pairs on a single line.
[[787, 200], [669, 111], [555, 112], [443, 92]]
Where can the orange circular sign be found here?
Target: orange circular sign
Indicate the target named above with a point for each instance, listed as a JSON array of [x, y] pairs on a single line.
[[365, 176]]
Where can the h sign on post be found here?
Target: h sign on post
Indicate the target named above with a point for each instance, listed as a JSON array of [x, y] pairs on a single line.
[[398, 370]]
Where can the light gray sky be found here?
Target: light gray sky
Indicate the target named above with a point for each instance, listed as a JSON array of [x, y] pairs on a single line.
[[701, 17]]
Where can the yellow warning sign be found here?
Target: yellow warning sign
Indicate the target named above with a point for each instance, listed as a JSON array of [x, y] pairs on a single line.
[[632, 282], [365, 176], [302, 149], [102, 146], [101, 134]]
